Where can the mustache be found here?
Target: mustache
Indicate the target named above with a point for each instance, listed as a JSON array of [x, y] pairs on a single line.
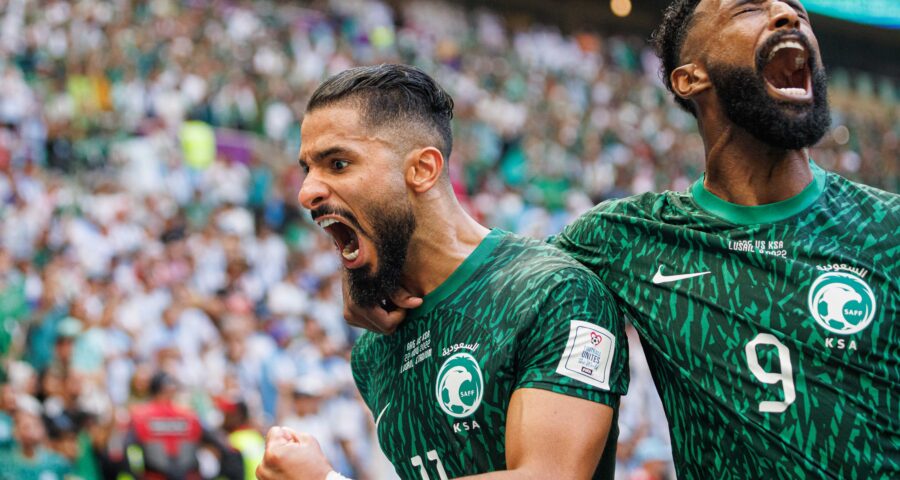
[[329, 210], [778, 37]]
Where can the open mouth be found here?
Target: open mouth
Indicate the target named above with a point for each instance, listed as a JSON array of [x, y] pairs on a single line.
[[345, 238], [787, 72]]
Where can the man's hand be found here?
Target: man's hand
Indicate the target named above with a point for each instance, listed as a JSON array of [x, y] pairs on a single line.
[[382, 319], [293, 456]]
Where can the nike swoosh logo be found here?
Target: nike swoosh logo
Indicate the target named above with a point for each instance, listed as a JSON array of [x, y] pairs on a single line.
[[660, 278], [381, 415]]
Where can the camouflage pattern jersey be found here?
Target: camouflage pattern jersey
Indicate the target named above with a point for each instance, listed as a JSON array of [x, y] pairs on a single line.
[[771, 331], [517, 313]]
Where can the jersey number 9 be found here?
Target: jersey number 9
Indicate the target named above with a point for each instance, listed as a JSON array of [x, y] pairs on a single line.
[[785, 376]]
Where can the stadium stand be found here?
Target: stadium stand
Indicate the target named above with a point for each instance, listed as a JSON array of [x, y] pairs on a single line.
[[149, 223]]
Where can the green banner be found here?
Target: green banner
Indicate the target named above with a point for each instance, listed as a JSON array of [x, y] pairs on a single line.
[[882, 13]]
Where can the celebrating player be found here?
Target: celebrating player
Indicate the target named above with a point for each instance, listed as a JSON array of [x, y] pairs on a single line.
[[766, 295], [515, 359]]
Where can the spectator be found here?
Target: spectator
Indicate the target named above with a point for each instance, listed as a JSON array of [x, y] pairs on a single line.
[[164, 437], [242, 436], [148, 216], [31, 457]]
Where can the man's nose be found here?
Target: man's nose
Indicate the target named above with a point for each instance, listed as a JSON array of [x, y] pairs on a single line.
[[313, 191]]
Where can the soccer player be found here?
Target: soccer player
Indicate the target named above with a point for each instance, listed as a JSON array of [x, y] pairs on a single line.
[[766, 295], [512, 365]]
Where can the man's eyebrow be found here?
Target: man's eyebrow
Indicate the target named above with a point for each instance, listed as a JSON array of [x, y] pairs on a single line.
[[796, 5], [740, 3], [328, 152]]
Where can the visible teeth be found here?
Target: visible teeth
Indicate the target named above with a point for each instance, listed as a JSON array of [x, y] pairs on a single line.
[[793, 92], [350, 254], [327, 222], [783, 45]]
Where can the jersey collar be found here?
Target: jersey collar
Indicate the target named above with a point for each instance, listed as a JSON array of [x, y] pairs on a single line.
[[462, 273], [760, 214]]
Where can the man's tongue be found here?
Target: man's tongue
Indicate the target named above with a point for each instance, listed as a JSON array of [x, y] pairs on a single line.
[[345, 239], [351, 249], [787, 70]]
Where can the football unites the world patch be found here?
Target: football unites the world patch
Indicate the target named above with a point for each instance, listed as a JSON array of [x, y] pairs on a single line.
[[459, 386], [588, 354]]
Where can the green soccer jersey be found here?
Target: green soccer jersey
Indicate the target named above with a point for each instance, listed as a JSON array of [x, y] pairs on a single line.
[[771, 331], [517, 313]]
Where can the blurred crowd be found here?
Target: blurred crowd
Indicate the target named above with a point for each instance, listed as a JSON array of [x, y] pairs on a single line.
[[153, 258]]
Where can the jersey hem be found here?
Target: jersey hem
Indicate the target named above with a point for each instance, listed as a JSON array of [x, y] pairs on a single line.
[[610, 399]]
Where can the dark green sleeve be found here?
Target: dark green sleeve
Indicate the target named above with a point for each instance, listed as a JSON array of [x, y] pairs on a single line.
[[574, 341], [588, 240]]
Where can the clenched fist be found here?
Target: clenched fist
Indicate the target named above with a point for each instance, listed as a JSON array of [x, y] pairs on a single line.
[[292, 456]]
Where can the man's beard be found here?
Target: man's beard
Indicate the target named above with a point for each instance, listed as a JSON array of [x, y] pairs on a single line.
[[392, 229], [790, 126]]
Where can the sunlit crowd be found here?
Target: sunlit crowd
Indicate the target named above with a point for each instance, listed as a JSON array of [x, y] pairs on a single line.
[[152, 250]]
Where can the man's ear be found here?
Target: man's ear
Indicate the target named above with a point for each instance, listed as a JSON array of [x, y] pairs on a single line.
[[690, 80], [425, 167]]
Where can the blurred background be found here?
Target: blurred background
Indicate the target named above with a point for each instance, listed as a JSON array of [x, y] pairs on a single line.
[[152, 252]]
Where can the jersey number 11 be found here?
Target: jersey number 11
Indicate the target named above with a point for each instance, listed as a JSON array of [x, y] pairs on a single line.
[[433, 456]]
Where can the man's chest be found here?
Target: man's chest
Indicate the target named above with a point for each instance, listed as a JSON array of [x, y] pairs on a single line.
[[765, 318], [441, 395], [812, 290]]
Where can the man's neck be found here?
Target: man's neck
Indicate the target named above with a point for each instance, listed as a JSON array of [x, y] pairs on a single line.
[[445, 236], [743, 170], [28, 451]]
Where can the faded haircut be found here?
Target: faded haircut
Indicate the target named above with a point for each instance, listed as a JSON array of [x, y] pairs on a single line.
[[668, 40], [392, 94]]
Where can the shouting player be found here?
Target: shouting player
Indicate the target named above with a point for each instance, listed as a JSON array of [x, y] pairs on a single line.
[[767, 295], [513, 364]]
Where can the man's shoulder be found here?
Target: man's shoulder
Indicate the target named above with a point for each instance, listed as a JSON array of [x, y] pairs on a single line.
[[43, 460], [153, 409], [846, 190], [615, 220], [651, 206], [848, 199], [527, 259], [534, 273], [50, 459]]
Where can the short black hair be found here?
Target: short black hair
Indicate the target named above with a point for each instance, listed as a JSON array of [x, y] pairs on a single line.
[[160, 381], [391, 93], [668, 40]]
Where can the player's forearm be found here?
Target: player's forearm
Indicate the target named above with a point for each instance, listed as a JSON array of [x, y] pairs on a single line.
[[521, 474], [504, 475]]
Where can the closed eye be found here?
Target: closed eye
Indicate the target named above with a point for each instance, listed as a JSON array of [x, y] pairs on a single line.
[[801, 12]]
